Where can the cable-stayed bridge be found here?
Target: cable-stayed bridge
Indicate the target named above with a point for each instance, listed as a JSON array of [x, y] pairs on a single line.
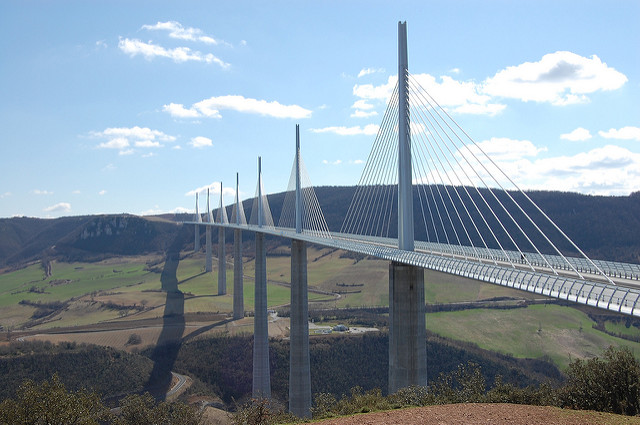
[[429, 198]]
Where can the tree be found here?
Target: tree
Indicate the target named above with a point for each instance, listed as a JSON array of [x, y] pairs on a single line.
[[142, 410], [609, 385], [51, 403]]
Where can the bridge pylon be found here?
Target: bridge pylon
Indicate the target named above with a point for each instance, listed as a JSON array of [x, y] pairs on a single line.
[[222, 255], [209, 255], [238, 289], [407, 327], [197, 219], [299, 364], [261, 369]]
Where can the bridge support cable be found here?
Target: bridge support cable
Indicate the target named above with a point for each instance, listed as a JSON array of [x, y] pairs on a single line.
[[434, 130], [474, 150], [442, 127], [372, 204], [260, 211], [427, 136], [312, 218]]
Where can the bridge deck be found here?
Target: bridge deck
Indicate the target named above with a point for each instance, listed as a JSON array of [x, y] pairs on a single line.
[[507, 268]]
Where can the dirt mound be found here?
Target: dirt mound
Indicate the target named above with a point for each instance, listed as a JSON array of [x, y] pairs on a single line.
[[494, 414]]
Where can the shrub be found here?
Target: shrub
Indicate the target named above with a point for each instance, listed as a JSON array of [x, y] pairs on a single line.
[[609, 385]]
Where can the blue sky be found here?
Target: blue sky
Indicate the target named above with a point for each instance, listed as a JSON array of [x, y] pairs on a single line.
[[133, 106]]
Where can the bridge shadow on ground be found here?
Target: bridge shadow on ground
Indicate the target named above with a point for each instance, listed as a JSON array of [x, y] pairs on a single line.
[[170, 340]]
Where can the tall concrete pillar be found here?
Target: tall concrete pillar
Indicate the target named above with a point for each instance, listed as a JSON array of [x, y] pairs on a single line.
[[238, 287], [407, 327], [196, 243], [299, 366], [261, 370], [197, 219], [222, 262], [209, 254]]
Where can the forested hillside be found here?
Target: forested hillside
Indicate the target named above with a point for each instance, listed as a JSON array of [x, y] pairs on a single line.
[[605, 227], [82, 238], [339, 363], [108, 371]]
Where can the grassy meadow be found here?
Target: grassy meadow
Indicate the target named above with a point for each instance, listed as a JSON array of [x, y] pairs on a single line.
[[129, 288]]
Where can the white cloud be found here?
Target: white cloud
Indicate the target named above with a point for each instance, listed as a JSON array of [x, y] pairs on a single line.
[[454, 70], [147, 144], [211, 108], [179, 54], [201, 142], [5, 195], [368, 130], [381, 92], [609, 170], [176, 30], [464, 97], [122, 138], [504, 149], [363, 109], [578, 135], [60, 207], [363, 114], [625, 133], [116, 143], [102, 192], [560, 78], [362, 104], [214, 188], [76, 192], [42, 192], [179, 111], [368, 71], [336, 162], [358, 161]]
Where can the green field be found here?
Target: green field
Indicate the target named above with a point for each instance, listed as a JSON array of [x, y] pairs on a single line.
[[561, 333]]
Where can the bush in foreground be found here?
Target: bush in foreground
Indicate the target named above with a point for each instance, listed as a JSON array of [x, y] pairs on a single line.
[[51, 403]]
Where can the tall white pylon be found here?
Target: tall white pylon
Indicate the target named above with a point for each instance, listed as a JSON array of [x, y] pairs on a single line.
[[197, 219], [222, 254], [407, 327], [238, 290], [261, 369], [299, 363], [209, 255]]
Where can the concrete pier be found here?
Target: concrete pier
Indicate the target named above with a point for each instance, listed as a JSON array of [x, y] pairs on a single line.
[[299, 366], [238, 287], [261, 370], [222, 262], [407, 327], [209, 254]]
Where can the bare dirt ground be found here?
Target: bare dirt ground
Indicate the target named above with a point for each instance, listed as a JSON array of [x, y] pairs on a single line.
[[484, 414]]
